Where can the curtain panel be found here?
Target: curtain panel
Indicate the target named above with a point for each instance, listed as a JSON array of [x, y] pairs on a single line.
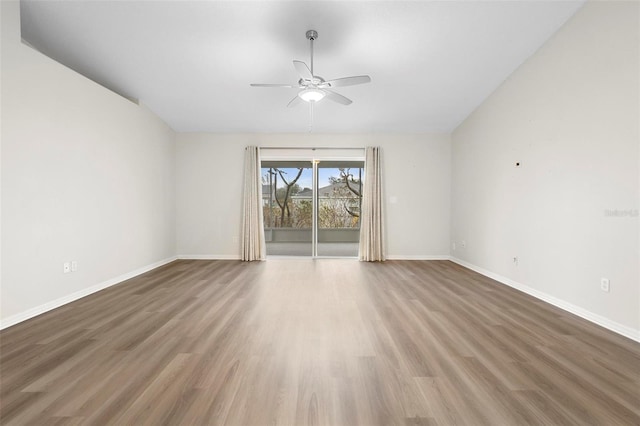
[[253, 244], [371, 219]]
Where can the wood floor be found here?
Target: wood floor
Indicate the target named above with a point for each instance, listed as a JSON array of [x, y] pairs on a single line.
[[332, 341]]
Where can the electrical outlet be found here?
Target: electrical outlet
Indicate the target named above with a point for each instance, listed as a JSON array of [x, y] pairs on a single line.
[[66, 267], [463, 243], [516, 260], [453, 246], [604, 284], [74, 265]]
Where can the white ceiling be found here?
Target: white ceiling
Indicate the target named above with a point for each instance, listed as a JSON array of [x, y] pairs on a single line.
[[431, 62]]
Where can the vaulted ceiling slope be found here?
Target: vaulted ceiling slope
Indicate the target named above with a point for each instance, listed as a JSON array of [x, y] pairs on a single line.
[[191, 62]]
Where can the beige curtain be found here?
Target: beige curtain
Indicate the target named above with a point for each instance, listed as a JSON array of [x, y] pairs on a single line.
[[253, 244], [371, 218]]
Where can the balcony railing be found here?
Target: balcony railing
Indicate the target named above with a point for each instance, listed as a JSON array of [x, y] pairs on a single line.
[[327, 235]]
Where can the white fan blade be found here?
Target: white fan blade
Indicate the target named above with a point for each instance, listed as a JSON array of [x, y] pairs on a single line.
[[295, 101], [273, 85], [337, 97], [303, 70], [347, 81]]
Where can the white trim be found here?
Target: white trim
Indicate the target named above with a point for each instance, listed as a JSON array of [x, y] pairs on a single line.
[[309, 154], [209, 257], [418, 257], [38, 310], [272, 256], [616, 327]]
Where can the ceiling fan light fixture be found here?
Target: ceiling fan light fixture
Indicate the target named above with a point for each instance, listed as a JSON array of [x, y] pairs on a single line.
[[311, 95]]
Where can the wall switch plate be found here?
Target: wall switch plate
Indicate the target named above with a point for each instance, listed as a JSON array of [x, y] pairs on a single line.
[[66, 267], [74, 266], [604, 284]]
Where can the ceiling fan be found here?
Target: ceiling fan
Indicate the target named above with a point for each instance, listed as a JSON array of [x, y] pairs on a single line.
[[314, 88]]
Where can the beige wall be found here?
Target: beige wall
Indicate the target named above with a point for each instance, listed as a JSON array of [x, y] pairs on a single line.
[[209, 187], [570, 116], [86, 176]]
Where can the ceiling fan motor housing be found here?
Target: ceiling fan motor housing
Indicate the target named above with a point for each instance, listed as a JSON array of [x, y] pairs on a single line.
[[312, 34]]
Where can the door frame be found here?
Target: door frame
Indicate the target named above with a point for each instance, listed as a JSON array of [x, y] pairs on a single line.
[[314, 158]]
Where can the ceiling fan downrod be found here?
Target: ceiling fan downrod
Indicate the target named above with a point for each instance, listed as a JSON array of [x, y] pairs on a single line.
[[311, 36]]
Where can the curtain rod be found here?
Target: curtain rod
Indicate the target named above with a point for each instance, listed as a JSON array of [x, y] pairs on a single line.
[[313, 149]]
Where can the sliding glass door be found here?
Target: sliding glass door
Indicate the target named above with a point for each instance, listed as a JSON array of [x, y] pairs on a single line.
[[339, 198], [312, 208], [287, 199]]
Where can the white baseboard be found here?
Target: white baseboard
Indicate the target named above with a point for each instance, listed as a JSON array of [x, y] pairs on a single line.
[[616, 327], [418, 257], [209, 256], [38, 310], [237, 257]]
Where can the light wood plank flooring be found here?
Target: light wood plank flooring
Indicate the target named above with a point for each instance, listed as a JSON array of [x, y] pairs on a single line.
[[331, 341]]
